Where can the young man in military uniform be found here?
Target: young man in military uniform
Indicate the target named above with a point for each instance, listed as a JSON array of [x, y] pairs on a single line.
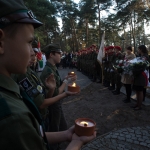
[[20, 122], [56, 117]]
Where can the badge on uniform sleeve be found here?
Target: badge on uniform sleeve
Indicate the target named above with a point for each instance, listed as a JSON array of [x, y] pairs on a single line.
[[26, 84], [39, 88]]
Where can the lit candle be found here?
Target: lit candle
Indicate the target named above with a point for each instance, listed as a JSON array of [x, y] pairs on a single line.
[[73, 88], [74, 85], [71, 73], [86, 123], [84, 127]]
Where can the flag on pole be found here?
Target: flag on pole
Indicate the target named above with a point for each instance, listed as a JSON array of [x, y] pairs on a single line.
[[101, 52], [39, 57]]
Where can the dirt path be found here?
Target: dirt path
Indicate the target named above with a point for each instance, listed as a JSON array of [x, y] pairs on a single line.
[[107, 110]]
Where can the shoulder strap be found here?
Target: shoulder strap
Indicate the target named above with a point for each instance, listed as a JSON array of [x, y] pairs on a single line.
[[27, 100]]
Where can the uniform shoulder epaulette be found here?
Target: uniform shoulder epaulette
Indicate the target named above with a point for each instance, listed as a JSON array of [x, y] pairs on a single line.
[[4, 108]]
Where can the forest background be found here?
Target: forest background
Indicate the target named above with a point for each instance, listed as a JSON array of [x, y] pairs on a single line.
[[83, 24]]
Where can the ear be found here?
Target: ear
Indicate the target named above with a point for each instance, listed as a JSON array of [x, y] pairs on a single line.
[[51, 55], [1, 41]]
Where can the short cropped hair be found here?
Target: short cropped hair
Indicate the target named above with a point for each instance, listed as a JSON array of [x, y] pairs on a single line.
[[130, 48], [47, 54], [11, 30], [143, 49]]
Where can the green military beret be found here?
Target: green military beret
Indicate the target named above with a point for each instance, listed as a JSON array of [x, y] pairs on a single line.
[[14, 11], [52, 48]]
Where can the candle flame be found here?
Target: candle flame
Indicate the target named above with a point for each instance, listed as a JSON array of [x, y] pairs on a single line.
[[84, 123], [74, 84], [72, 72]]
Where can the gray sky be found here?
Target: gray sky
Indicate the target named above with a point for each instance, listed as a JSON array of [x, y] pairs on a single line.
[[76, 1]]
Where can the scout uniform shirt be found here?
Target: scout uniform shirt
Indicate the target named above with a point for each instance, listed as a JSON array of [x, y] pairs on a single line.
[[19, 129], [49, 68], [33, 86], [56, 117]]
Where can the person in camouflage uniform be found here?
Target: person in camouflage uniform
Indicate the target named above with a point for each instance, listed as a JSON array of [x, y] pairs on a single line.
[[56, 117], [89, 64], [117, 76]]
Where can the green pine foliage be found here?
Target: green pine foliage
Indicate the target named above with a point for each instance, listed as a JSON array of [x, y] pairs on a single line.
[[83, 23]]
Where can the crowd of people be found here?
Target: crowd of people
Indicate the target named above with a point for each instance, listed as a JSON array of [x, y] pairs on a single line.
[[112, 76], [69, 60], [86, 61]]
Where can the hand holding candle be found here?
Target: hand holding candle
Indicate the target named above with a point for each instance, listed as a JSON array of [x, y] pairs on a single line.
[[77, 140], [84, 127], [73, 88], [72, 76]]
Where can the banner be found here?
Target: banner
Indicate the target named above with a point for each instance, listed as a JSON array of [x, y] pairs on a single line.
[[101, 52]]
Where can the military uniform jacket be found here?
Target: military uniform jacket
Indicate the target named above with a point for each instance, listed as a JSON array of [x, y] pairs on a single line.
[[110, 60], [19, 129], [48, 69], [33, 86], [118, 56]]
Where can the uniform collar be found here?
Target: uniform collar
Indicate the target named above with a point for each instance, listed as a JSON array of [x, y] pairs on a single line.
[[9, 84], [51, 66], [29, 70]]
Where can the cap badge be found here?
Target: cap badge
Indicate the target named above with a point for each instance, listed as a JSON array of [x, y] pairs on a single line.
[[30, 14]]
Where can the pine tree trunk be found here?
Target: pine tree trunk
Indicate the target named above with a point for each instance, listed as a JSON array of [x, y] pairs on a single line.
[[99, 19], [87, 31]]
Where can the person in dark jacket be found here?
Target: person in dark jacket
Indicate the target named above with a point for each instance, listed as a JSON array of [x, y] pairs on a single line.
[[140, 79]]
